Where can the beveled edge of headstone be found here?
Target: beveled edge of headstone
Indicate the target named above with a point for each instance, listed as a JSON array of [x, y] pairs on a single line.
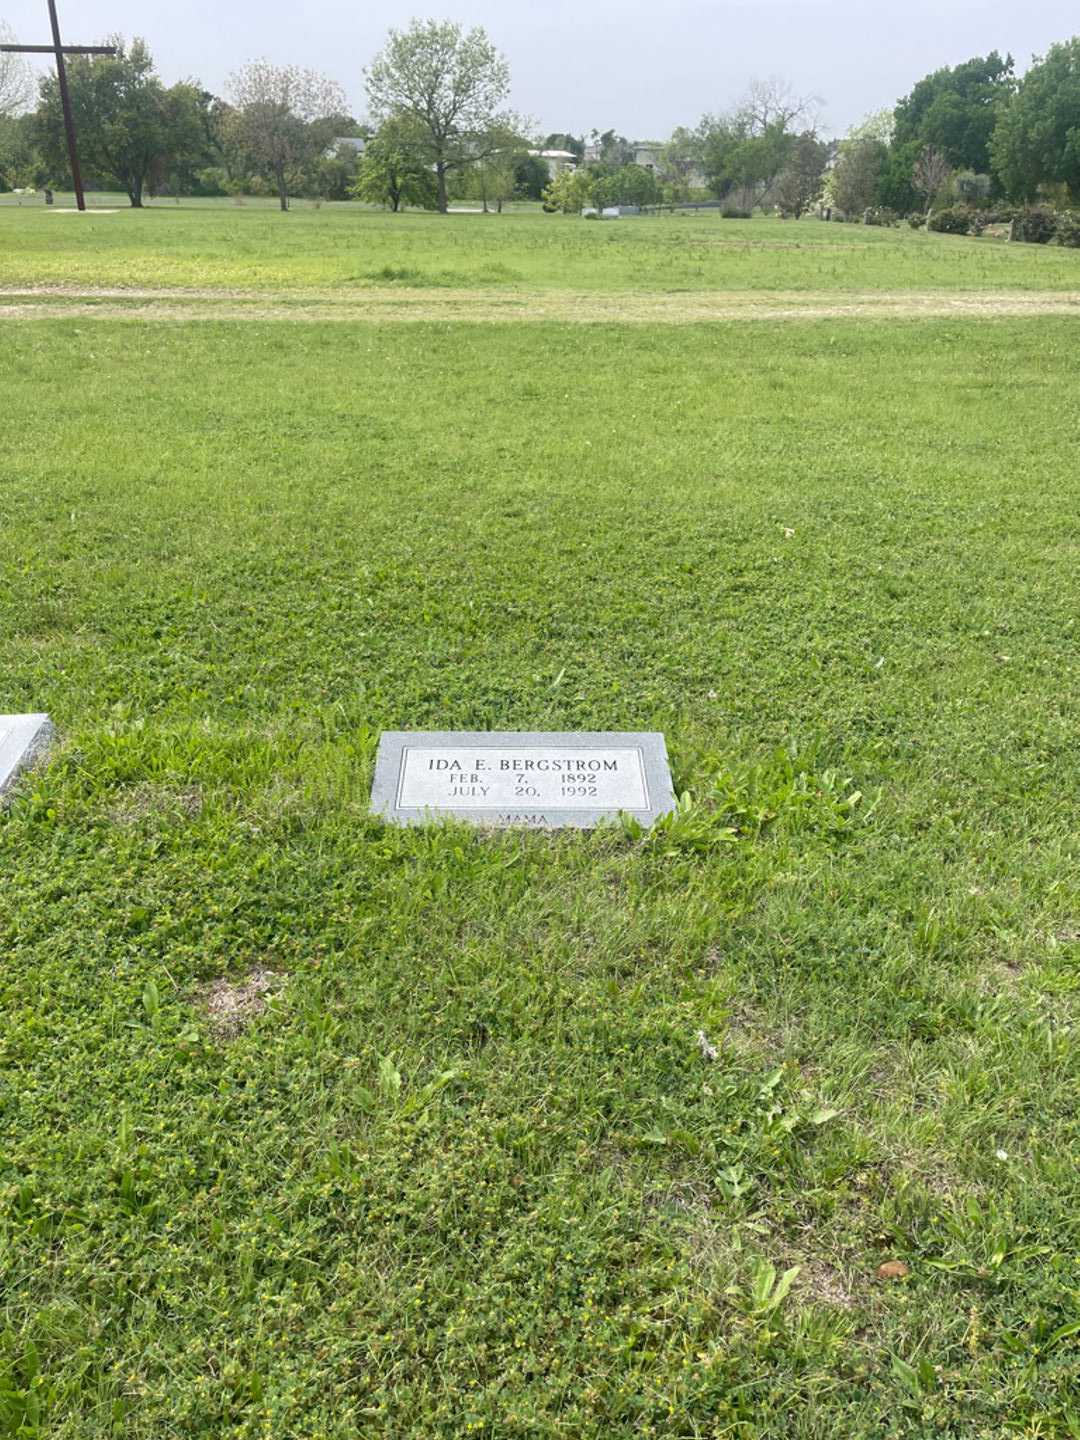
[[384, 788], [23, 739]]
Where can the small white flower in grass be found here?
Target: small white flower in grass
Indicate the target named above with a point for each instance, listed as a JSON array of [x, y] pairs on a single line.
[[1001, 1154], [708, 1051]]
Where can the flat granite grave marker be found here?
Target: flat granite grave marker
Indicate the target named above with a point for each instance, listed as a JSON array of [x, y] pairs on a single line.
[[503, 777], [22, 739]]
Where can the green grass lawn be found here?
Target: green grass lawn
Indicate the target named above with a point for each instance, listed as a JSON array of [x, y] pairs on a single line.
[[342, 246], [472, 1170]]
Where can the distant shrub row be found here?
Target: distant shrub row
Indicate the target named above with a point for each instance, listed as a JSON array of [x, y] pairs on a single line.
[[1036, 224], [955, 220]]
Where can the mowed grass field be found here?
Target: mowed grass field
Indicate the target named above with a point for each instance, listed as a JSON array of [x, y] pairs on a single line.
[[223, 247], [539, 1135]]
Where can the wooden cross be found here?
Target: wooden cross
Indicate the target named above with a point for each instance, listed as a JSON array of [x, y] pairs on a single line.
[[58, 52]]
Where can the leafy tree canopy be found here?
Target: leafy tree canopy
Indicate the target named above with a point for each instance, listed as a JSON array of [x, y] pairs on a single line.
[[800, 181], [394, 170], [1037, 139], [531, 174], [627, 185], [955, 109], [449, 82], [130, 126], [569, 191], [749, 147]]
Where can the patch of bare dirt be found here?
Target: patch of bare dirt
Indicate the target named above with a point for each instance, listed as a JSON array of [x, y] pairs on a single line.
[[750, 1037], [138, 802], [684, 1197], [402, 305], [822, 1284], [74, 291], [706, 1242], [1000, 975], [231, 1005]]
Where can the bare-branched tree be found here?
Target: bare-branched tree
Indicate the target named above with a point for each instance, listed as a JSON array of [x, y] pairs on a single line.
[[773, 104], [283, 117], [930, 175], [16, 81]]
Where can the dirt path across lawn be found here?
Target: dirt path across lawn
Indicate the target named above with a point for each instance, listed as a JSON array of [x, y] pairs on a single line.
[[396, 305]]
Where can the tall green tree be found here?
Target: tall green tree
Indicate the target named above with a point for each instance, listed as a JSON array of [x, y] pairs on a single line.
[[570, 191], [681, 162], [188, 111], [750, 147], [854, 181], [954, 112], [1036, 141], [394, 170], [334, 173], [895, 185], [451, 84], [128, 123], [734, 159], [491, 178], [531, 175], [627, 185], [720, 139], [800, 182], [21, 161]]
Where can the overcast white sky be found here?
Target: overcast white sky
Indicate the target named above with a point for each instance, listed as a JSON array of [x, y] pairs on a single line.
[[639, 66]]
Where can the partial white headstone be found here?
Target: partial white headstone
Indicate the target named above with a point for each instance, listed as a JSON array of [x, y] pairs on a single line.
[[22, 739], [543, 780]]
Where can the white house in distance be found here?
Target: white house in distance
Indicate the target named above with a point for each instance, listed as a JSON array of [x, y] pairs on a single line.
[[557, 160], [647, 153]]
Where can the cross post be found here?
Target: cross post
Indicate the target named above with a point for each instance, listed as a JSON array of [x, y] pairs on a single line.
[[58, 51]]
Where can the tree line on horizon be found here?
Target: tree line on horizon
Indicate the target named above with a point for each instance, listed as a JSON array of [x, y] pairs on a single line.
[[439, 127]]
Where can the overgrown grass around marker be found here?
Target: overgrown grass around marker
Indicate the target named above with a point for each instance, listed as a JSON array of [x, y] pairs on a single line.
[[541, 1135]]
